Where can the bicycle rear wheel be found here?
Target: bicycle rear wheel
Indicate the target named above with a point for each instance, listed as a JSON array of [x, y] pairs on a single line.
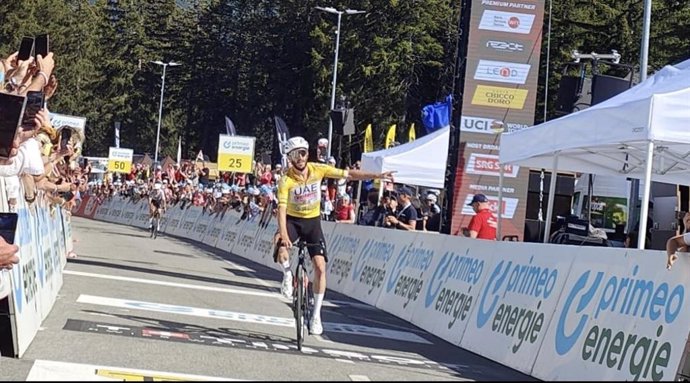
[[299, 307]]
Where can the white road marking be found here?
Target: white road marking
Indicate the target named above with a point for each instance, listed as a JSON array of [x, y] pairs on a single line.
[[45, 370], [173, 284], [359, 378], [321, 339], [344, 361], [344, 328]]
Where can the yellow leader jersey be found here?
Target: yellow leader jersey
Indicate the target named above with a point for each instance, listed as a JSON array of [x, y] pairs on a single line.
[[303, 196]]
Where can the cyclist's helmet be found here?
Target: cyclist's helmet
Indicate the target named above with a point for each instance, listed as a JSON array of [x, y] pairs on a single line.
[[157, 186], [296, 143]]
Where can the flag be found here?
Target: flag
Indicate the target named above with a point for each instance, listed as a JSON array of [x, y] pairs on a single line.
[[368, 140], [390, 136], [200, 156], [436, 116], [179, 150], [229, 127], [412, 134], [117, 134], [282, 135]]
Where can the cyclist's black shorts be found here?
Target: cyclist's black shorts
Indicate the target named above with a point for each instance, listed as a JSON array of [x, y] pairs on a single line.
[[307, 229], [156, 203]]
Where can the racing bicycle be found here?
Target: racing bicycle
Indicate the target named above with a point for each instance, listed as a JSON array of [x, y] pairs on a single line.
[[303, 295], [155, 222]]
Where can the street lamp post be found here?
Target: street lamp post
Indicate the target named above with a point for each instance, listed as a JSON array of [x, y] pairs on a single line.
[[160, 109], [335, 63]]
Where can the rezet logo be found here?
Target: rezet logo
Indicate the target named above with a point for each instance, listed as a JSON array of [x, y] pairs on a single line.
[[506, 22], [499, 71], [505, 46]]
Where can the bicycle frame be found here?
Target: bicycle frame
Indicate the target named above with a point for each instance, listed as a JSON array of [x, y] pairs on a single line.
[[303, 296]]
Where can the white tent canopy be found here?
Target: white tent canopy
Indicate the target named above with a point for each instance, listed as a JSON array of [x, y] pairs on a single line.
[[421, 162], [640, 133], [611, 138]]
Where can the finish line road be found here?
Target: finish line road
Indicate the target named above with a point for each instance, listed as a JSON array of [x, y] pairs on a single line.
[[133, 308]]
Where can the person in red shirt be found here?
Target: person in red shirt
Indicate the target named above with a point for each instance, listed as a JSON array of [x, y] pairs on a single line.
[[483, 224], [345, 212]]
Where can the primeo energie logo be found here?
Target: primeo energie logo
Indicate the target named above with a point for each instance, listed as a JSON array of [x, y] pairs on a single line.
[[636, 299], [513, 279]]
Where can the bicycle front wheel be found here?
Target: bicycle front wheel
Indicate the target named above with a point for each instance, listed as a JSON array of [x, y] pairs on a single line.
[[299, 308]]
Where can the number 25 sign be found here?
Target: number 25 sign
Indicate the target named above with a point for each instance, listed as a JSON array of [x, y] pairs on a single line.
[[235, 153]]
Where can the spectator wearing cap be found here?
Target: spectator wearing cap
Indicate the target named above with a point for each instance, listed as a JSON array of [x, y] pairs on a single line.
[[405, 217], [431, 213], [483, 224]]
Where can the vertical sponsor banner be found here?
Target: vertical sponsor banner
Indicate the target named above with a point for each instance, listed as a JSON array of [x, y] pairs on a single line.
[[232, 231], [200, 226], [174, 219], [620, 317], [25, 310], [263, 245], [245, 238], [342, 243], [190, 218], [500, 94], [451, 285], [372, 260], [129, 211], [103, 210], [516, 303], [215, 227]]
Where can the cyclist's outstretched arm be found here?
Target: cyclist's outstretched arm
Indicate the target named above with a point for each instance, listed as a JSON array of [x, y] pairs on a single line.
[[356, 175]]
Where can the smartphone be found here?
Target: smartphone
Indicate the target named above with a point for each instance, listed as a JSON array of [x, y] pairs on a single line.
[[65, 135], [8, 226], [34, 103], [26, 48], [41, 46], [11, 111]]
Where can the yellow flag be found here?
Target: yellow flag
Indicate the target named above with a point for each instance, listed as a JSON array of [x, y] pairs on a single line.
[[368, 140], [390, 136], [412, 135]]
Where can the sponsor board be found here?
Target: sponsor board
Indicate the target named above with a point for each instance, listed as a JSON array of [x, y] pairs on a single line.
[[499, 97], [501, 71], [509, 206], [516, 303], [488, 165], [510, 22], [491, 126]]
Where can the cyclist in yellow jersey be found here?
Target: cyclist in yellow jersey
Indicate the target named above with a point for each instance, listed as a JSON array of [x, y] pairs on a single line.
[[299, 216]]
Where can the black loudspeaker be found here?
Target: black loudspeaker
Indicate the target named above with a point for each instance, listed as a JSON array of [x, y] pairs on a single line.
[[338, 118], [568, 91], [605, 87]]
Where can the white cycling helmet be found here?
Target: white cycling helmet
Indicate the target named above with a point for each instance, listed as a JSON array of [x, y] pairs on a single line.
[[156, 186], [296, 143]]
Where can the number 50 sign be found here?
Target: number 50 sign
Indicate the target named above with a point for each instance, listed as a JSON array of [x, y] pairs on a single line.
[[235, 153], [120, 160]]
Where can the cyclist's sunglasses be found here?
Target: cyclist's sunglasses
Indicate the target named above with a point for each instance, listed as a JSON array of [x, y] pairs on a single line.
[[296, 154]]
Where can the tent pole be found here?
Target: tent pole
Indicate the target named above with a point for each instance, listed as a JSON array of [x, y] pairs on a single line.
[[552, 192], [499, 228], [644, 209]]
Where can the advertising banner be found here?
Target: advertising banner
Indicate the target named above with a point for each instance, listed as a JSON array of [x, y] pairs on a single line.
[[235, 153], [620, 317], [120, 160], [516, 303], [451, 285], [500, 94]]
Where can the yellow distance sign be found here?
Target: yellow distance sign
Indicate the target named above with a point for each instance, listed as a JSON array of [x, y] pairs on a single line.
[[120, 160], [235, 153]]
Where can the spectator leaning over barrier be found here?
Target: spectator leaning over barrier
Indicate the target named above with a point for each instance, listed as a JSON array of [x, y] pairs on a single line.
[[483, 224], [405, 218], [678, 242]]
